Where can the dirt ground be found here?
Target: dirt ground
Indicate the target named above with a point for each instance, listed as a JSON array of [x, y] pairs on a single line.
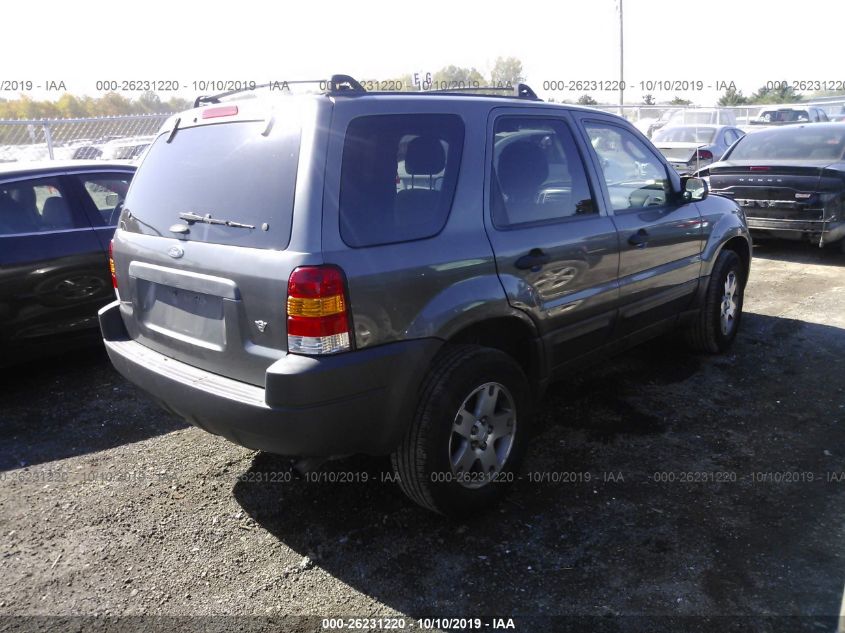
[[666, 489]]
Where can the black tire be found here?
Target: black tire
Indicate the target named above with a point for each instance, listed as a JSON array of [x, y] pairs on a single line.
[[423, 461], [705, 333]]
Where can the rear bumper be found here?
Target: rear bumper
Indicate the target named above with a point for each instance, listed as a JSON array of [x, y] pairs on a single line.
[[832, 231], [358, 402]]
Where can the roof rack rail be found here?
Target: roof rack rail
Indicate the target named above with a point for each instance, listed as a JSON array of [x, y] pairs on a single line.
[[337, 83], [521, 91]]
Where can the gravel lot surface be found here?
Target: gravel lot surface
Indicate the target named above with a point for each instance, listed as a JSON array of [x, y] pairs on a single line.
[[674, 485]]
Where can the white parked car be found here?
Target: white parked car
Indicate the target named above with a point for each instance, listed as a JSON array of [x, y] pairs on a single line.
[[691, 147], [125, 148]]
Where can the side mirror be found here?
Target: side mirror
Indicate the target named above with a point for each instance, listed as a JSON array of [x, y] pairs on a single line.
[[694, 189], [112, 199]]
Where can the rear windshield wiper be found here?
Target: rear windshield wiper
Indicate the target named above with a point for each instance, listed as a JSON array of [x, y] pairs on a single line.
[[190, 217]]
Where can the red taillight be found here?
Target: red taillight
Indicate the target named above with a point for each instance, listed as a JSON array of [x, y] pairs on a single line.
[[213, 113], [704, 154], [111, 265], [317, 312]]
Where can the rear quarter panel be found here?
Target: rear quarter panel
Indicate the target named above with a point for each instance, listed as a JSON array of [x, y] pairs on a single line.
[[423, 288]]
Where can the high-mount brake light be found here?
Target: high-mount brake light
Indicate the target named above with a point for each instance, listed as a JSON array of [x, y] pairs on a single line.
[[759, 168], [213, 113], [317, 311]]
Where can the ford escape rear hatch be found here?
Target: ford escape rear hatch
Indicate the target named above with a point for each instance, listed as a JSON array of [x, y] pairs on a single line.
[[201, 251]]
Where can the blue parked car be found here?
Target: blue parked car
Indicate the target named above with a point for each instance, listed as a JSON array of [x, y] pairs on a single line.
[[56, 223]]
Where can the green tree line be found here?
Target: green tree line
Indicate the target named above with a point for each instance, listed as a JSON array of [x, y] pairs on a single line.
[[506, 71], [69, 106]]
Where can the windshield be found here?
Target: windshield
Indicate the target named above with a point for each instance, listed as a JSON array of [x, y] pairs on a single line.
[[794, 143], [230, 171], [685, 134]]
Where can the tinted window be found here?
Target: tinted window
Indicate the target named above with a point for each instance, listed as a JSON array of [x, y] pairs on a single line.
[[106, 192], [784, 116], [398, 176], [33, 206], [793, 143], [230, 171], [538, 174], [635, 177]]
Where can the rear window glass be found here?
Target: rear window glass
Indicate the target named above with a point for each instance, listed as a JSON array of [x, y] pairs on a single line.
[[683, 134], [780, 116], [228, 171], [798, 143], [398, 176]]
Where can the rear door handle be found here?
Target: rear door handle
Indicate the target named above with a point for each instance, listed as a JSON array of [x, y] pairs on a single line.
[[534, 261], [639, 239]]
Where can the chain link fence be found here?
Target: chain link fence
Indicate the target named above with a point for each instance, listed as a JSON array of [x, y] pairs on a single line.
[[125, 137], [741, 116], [116, 137]]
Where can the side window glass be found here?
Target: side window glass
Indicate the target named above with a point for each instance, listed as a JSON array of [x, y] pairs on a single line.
[[634, 176], [106, 192], [398, 176], [34, 206], [538, 173]]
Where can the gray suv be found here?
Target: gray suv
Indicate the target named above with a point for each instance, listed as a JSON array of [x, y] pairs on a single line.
[[404, 273]]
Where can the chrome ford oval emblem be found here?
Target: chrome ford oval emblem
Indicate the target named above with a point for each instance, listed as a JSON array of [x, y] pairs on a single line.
[[175, 252]]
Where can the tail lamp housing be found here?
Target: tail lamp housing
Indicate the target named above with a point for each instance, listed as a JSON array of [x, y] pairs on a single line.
[[318, 311], [111, 266]]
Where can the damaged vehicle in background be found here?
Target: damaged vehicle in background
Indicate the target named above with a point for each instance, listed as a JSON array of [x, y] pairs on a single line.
[[789, 181], [688, 148], [790, 115], [693, 116]]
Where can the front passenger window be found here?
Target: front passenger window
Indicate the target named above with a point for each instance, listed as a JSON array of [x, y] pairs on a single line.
[[634, 176], [106, 191]]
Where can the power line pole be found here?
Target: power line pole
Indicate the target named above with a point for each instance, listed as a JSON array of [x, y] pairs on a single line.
[[621, 63]]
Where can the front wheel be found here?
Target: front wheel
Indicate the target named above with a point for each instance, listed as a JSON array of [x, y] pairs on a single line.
[[460, 452], [716, 326]]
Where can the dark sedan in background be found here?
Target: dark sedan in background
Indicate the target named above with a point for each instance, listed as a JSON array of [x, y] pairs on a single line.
[[790, 181], [56, 223]]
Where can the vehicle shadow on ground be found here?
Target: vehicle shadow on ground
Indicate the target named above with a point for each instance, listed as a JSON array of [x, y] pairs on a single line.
[[72, 404], [600, 521], [799, 252]]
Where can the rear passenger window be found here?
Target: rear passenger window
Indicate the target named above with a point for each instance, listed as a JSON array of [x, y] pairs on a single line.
[[538, 174], [34, 206], [106, 192], [398, 177]]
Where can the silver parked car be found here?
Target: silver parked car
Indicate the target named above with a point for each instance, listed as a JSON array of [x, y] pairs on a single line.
[[693, 116], [690, 147]]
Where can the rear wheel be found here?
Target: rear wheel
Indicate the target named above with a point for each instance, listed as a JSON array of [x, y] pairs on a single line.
[[716, 326], [463, 446]]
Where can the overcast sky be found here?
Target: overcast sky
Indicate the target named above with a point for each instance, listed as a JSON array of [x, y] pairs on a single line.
[[748, 42]]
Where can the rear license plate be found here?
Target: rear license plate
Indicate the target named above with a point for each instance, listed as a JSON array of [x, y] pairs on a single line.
[[170, 311]]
